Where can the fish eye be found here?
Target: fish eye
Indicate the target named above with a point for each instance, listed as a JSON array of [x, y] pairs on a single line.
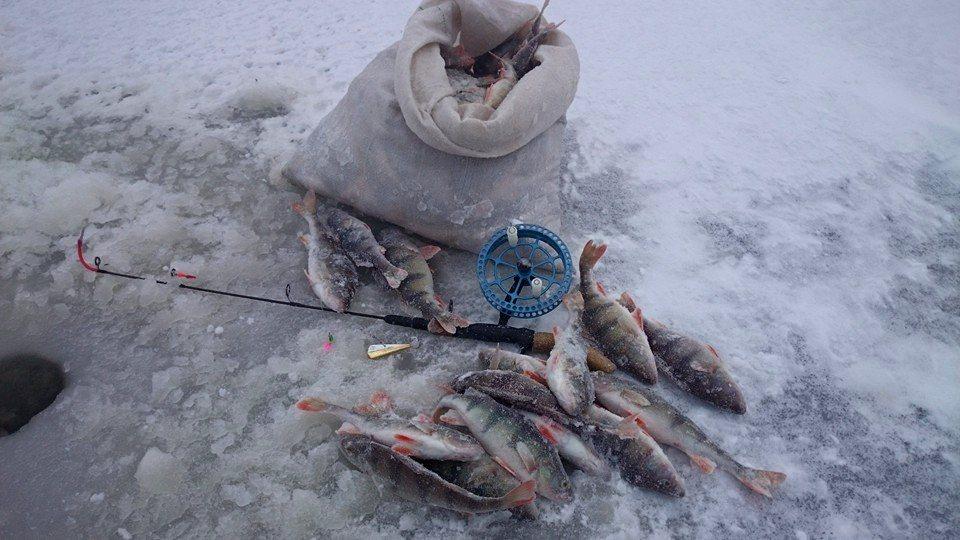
[[564, 483]]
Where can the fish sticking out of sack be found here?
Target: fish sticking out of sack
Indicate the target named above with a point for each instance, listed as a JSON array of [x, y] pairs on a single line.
[[483, 477], [332, 275], [418, 437], [357, 240], [516, 390], [694, 367], [417, 289], [618, 333], [669, 426], [512, 441], [568, 376], [412, 481], [499, 359]]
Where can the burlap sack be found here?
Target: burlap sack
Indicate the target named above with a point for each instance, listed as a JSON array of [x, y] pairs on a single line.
[[401, 148]]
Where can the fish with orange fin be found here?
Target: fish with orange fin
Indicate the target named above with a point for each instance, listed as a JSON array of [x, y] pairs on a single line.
[[417, 289], [617, 332], [414, 482], [669, 426], [332, 275], [417, 437], [694, 366], [499, 359]]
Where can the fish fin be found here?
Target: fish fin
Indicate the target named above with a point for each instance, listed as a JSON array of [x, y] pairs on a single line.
[[436, 326], [500, 461], [573, 301], [547, 433], [306, 273], [427, 252], [526, 457], [304, 240], [365, 409], [381, 401], [629, 427], [404, 438], [310, 201], [627, 301], [592, 252], [761, 481], [555, 331], [422, 418], [452, 418], [703, 367], [635, 397], [427, 426], [297, 207], [311, 404], [402, 450], [637, 315], [712, 350], [348, 429], [705, 464], [395, 277], [495, 361], [523, 494], [382, 249], [535, 376], [601, 289]]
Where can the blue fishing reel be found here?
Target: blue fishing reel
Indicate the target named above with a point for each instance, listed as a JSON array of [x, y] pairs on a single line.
[[524, 271]]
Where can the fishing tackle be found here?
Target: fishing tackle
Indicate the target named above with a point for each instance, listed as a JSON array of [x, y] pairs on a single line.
[[525, 338]]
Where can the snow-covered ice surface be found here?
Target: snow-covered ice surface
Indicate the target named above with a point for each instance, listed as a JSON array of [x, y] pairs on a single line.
[[781, 179]]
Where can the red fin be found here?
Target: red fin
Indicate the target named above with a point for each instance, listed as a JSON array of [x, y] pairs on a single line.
[[638, 316], [427, 252], [303, 239], [714, 351], [705, 464], [297, 207], [503, 464], [523, 494], [404, 438], [535, 376], [762, 482], [547, 434], [601, 289], [402, 450], [311, 404], [629, 427], [381, 401]]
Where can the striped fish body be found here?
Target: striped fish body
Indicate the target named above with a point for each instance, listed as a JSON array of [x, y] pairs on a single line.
[[615, 331], [669, 426], [412, 481], [513, 442], [482, 477], [694, 367], [641, 461], [357, 240], [417, 290], [516, 390], [333, 276]]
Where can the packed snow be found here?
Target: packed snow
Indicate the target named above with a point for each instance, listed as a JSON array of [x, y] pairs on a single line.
[[780, 179]]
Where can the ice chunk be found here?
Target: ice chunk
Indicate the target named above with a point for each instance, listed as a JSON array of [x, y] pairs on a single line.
[[237, 494], [159, 472]]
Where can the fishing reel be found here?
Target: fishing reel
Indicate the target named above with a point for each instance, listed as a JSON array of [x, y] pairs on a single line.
[[524, 271]]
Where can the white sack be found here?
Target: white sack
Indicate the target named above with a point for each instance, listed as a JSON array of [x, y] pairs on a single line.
[[451, 172]]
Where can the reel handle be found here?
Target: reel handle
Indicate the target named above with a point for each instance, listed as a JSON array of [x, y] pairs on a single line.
[[596, 361]]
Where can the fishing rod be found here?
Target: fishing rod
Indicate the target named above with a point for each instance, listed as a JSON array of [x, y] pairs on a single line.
[[526, 339]]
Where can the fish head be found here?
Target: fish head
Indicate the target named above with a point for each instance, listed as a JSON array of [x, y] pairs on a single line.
[[357, 449], [331, 298], [554, 484]]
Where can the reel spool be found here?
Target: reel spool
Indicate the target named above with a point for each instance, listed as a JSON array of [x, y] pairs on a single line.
[[524, 271]]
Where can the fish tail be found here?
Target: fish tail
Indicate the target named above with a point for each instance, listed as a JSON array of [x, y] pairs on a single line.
[[592, 252], [312, 404], [761, 481], [523, 494], [446, 323]]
